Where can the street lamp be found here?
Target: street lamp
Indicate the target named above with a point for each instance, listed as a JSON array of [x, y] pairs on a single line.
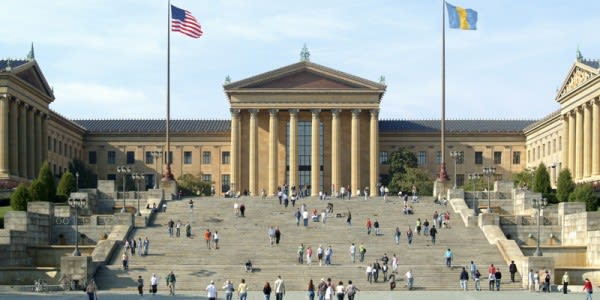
[[156, 155], [124, 170], [77, 203], [138, 177], [456, 155], [474, 177], [539, 205], [77, 181], [489, 172]]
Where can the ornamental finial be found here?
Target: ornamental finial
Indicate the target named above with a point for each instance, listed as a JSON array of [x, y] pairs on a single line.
[[304, 54], [227, 80], [578, 55], [31, 54]]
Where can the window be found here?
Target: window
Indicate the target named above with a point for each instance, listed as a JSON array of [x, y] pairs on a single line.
[[529, 155], [54, 144], [438, 157], [553, 146], [49, 144], [92, 157], [149, 158], [130, 157], [111, 176], [543, 150], [206, 158], [206, 177], [187, 157], [225, 182], [170, 158], [60, 147], [225, 158], [538, 152], [111, 157], [497, 157], [422, 158], [460, 179], [560, 143], [516, 158], [383, 158], [478, 158]]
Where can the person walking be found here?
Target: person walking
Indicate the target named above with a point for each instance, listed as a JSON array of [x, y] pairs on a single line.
[[279, 288], [472, 269], [547, 281], [271, 234], [311, 290], [140, 285], [171, 283], [298, 215], [145, 245], [362, 250], [228, 288], [300, 252], [394, 264], [211, 291], [565, 282], [433, 233], [531, 281], [277, 235], [409, 279], [477, 278], [587, 288], [351, 290], [449, 256], [153, 284], [349, 218], [369, 225], [125, 260], [492, 281], [215, 237], [464, 278], [91, 289], [353, 253], [409, 236], [512, 268], [267, 291], [321, 289], [309, 253], [207, 238], [243, 290]]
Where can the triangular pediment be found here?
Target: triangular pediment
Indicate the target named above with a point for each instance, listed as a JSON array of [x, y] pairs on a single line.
[[579, 74], [304, 76], [29, 72]]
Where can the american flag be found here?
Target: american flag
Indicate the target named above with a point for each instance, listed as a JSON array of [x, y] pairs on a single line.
[[183, 21]]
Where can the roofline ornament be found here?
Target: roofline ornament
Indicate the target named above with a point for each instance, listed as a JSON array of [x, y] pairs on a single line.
[[304, 54]]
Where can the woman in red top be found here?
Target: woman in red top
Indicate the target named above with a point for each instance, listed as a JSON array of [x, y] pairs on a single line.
[[369, 225], [587, 288]]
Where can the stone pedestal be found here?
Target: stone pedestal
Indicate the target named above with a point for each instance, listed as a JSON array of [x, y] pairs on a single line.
[[79, 268], [439, 188]]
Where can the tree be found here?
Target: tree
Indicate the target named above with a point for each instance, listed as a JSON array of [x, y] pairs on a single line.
[[47, 189], [417, 177], [87, 178], [400, 161], [66, 186], [19, 198], [190, 184], [541, 182], [564, 185], [524, 178], [38, 191], [585, 193]]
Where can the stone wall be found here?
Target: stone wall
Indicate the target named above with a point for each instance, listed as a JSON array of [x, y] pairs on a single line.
[[39, 226], [576, 227]]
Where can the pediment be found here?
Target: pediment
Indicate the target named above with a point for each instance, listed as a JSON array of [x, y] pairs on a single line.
[[304, 76], [578, 75]]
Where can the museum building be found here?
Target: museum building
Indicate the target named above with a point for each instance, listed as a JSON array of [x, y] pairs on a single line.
[[304, 125]]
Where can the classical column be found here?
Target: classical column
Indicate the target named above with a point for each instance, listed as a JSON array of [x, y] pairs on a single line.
[[39, 141], [579, 143], [315, 162], [293, 180], [14, 138], [45, 144], [252, 154], [235, 146], [587, 140], [565, 142], [374, 152], [30, 144], [355, 151], [273, 137], [335, 151], [572, 138], [23, 139], [595, 137], [4, 109]]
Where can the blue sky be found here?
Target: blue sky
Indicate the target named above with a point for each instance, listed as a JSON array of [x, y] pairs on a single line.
[[107, 58]]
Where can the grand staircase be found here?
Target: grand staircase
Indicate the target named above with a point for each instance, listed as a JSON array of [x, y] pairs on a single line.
[[243, 238]]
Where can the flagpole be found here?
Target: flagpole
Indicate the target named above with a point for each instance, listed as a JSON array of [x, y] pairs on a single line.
[[167, 174], [443, 175]]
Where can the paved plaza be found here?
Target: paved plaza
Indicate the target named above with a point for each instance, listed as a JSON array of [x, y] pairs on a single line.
[[370, 295]]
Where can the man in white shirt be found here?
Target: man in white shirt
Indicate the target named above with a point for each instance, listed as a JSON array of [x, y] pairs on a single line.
[[409, 279], [353, 253], [279, 288], [153, 283], [211, 291]]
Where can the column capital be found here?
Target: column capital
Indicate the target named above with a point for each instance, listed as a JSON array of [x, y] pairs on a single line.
[[374, 112], [235, 112], [315, 111], [253, 111], [336, 112], [273, 112], [355, 112], [4, 97], [293, 112]]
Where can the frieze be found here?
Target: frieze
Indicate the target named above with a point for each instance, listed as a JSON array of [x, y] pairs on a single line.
[[578, 77]]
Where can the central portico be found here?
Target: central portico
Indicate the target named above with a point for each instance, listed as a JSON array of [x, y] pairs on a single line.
[[304, 125]]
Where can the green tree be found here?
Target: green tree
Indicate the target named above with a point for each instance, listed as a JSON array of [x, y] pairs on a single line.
[[66, 186], [38, 191], [19, 198], [585, 193], [524, 178], [417, 177], [402, 160], [47, 192], [564, 185], [190, 184], [541, 183], [87, 178]]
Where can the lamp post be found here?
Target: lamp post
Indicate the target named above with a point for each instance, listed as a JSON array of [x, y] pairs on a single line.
[[138, 177], [539, 205], [489, 172], [456, 155], [124, 170], [77, 181], [474, 177], [77, 203], [156, 155]]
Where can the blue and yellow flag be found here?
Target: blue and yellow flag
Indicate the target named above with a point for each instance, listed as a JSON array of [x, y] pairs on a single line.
[[461, 18]]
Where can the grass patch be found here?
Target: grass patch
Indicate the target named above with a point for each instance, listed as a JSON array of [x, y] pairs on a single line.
[[3, 210]]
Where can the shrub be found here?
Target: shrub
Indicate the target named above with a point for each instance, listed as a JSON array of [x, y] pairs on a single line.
[[20, 197]]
